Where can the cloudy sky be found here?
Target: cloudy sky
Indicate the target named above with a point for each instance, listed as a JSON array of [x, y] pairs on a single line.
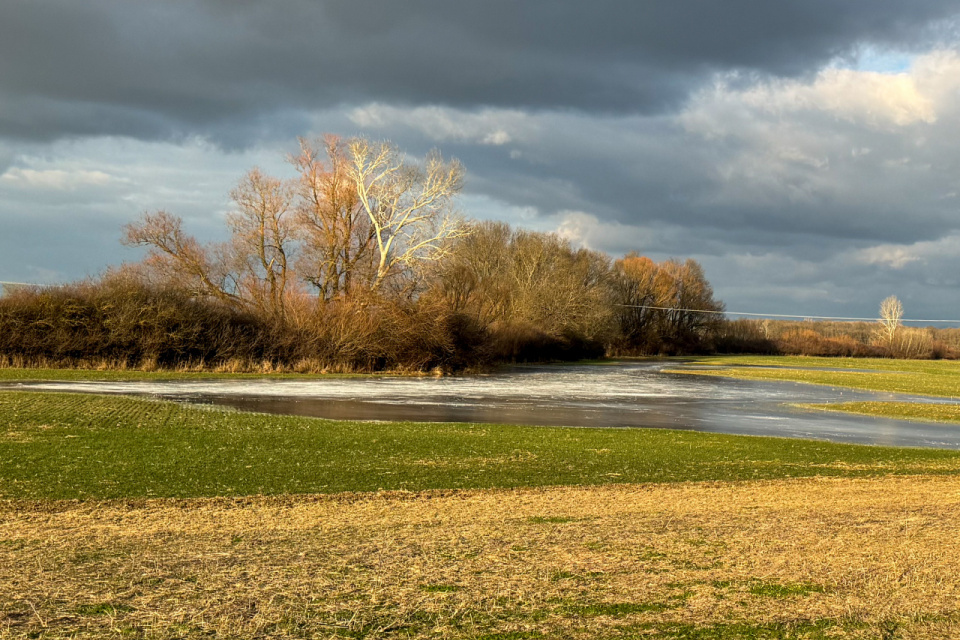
[[805, 151]]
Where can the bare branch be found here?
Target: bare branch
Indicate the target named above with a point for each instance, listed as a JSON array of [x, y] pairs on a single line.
[[409, 207]]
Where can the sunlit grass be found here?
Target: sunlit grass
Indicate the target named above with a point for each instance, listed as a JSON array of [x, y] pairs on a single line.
[[83, 446], [655, 556], [922, 377], [814, 558], [927, 412]]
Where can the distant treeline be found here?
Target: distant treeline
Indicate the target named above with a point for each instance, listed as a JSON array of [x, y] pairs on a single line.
[[359, 263], [824, 338], [533, 298]]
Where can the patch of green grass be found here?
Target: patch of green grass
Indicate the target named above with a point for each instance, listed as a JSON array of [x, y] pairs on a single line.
[[649, 553], [897, 410], [813, 630], [557, 576], [103, 608], [15, 544], [618, 609], [550, 519], [777, 590], [90, 557], [818, 362], [511, 635], [75, 446], [588, 576], [684, 563], [922, 377]]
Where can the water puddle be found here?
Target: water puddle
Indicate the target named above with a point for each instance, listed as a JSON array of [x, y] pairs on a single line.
[[629, 395]]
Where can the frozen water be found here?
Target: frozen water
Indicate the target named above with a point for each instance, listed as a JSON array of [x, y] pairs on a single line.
[[624, 395]]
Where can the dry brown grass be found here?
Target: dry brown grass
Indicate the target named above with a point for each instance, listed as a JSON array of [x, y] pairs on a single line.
[[878, 558]]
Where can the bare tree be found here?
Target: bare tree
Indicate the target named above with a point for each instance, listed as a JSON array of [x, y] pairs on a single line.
[[501, 277], [336, 234], [409, 207], [251, 270], [179, 258], [633, 282], [891, 314], [663, 306], [475, 277], [358, 214], [557, 288], [261, 244]]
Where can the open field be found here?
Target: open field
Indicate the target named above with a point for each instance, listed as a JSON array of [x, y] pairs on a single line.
[[196, 523], [921, 377], [812, 558], [70, 446], [898, 410], [940, 378]]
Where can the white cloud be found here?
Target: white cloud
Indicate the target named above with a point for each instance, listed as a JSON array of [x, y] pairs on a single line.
[[497, 138], [886, 255], [494, 127], [56, 179], [867, 98], [861, 150], [898, 256], [587, 230]]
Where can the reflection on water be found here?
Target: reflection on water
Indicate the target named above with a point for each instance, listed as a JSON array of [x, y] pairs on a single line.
[[624, 395]]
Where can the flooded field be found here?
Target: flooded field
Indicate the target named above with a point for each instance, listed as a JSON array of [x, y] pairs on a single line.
[[620, 395]]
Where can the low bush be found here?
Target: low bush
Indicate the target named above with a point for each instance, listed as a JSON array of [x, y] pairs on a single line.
[[834, 339], [122, 323]]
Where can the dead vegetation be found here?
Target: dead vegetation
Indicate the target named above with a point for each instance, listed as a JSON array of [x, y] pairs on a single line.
[[360, 261], [817, 558], [836, 339]]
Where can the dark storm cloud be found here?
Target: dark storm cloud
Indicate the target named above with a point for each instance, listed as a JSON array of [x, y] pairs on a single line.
[[221, 67], [711, 129], [651, 170]]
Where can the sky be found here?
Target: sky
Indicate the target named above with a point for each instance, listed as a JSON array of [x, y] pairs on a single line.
[[804, 151]]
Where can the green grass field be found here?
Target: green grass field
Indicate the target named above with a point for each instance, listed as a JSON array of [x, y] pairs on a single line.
[[68, 446], [673, 535], [948, 413], [936, 378], [920, 377]]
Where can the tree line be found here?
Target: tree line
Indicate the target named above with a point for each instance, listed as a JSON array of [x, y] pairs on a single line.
[[361, 261]]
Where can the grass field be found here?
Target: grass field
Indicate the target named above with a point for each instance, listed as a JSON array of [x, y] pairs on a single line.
[[814, 558], [898, 410], [133, 518], [70, 446], [921, 377], [938, 378]]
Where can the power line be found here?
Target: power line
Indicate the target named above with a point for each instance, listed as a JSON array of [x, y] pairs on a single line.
[[26, 284], [778, 315]]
